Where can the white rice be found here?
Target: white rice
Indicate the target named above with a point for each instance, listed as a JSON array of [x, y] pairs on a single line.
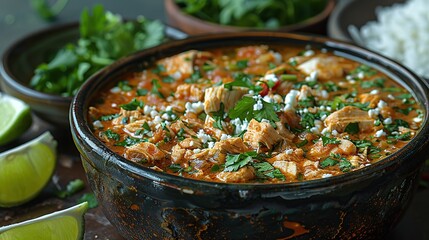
[[401, 32]]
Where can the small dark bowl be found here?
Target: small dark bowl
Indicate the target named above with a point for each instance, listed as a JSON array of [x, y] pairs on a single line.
[[354, 12], [193, 25], [147, 204], [21, 59]]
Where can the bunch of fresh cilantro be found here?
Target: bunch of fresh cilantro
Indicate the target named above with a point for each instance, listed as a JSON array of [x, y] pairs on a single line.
[[253, 13], [104, 38]]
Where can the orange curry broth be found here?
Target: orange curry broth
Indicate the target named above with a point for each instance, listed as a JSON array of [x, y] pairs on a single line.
[[256, 114]]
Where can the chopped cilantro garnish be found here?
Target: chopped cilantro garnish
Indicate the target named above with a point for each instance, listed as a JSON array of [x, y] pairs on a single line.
[[219, 117], [242, 64], [242, 80], [366, 70], [244, 110], [180, 135], [236, 161], [288, 77], [328, 162], [155, 88], [302, 143], [332, 87], [352, 128], [129, 141], [111, 134], [133, 105], [326, 140], [109, 117], [404, 111], [142, 92], [168, 79], [124, 86], [159, 69], [216, 168], [265, 169], [394, 127], [195, 76], [378, 83]]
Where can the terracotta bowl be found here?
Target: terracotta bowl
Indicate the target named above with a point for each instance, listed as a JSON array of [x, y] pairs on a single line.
[[22, 57], [192, 25], [147, 204]]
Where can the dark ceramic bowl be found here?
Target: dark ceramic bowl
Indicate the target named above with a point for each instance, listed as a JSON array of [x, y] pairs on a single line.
[[147, 204], [20, 60], [193, 25]]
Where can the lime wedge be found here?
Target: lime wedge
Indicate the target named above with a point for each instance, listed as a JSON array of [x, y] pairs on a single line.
[[26, 169], [15, 118], [67, 224]]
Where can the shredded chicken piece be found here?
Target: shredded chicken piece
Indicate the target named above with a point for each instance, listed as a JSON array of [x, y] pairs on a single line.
[[318, 151], [288, 168], [231, 145], [244, 174], [190, 92], [326, 67], [216, 95], [144, 151], [261, 133], [339, 119]]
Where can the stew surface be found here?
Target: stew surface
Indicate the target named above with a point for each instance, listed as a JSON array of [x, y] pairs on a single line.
[[252, 114]]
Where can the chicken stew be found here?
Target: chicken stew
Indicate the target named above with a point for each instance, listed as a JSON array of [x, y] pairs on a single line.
[[256, 114]]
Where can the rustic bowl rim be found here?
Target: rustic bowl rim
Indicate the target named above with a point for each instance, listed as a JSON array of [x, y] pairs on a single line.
[[81, 130]]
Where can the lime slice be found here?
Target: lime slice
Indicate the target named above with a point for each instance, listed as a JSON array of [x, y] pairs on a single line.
[[15, 118], [26, 169], [67, 224]]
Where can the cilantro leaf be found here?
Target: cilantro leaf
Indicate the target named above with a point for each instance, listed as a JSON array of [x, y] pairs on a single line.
[[236, 161], [242, 80], [109, 117], [244, 111], [111, 134], [328, 162], [133, 105], [327, 140], [352, 128], [219, 117]]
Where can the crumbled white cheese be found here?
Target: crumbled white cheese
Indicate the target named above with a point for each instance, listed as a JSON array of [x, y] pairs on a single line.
[[373, 113], [196, 107], [115, 90], [391, 97], [271, 77], [325, 131], [289, 151], [197, 150], [312, 77], [417, 119], [211, 144], [290, 100], [265, 120], [380, 133], [97, 124], [374, 92], [361, 75], [168, 108], [258, 105], [308, 53], [177, 75], [387, 121], [326, 175], [203, 136], [165, 116], [381, 104], [224, 136], [334, 132], [268, 99], [239, 125], [154, 113]]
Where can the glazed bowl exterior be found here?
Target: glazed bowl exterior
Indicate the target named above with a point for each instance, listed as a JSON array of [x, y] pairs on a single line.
[[193, 25], [147, 204]]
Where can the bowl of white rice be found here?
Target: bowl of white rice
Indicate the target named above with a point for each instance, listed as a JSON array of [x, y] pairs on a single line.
[[398, 29]]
